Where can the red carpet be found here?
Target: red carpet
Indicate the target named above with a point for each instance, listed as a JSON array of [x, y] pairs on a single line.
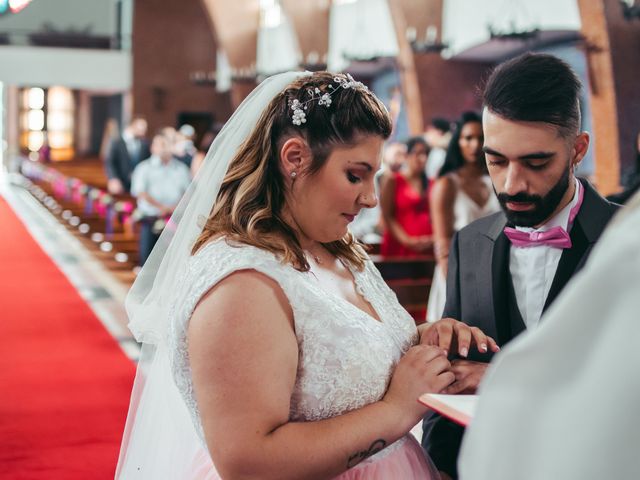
[[64, 382]]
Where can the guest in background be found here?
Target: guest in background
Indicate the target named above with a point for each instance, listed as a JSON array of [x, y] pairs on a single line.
[[124, 154], [438, 137], [201, 152], [184, 149], [110, 135], [170, 134], [369, 224], [158, 184], [405, 205], [394, 157], [462, 194]]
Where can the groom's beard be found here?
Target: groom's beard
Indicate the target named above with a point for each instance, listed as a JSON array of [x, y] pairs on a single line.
[[543, 206]]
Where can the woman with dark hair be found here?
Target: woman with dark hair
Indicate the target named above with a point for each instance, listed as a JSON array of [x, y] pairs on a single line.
[[273, 349], [404, 200], [463, 193], [201, 152]]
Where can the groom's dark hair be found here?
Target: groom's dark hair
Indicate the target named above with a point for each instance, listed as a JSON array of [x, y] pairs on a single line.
[[535, 87]]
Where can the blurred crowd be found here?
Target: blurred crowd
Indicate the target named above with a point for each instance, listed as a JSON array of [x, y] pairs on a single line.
[[156, 172], [429, 186]]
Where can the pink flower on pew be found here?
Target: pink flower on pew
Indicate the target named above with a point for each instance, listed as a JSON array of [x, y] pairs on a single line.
[[124, 207]]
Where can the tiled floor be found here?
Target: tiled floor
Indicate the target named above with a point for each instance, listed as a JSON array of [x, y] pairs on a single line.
[[104, 293]]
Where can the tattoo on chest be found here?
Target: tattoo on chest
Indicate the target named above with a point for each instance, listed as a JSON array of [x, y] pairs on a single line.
[[372, 450]]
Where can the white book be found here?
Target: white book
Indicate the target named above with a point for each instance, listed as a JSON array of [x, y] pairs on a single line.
[[459, 408]]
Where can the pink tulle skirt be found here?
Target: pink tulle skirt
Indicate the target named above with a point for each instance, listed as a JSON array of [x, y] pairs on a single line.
[[404, 460]]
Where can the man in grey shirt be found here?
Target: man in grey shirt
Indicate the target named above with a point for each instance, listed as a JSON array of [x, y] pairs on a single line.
[[158, 184]]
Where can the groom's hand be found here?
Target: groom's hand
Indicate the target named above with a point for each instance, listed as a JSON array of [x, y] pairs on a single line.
[[454, 336], [468, 376]]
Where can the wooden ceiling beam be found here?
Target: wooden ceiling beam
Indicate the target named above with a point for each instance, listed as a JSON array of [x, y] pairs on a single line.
[[421, 15], [310, 22], [236, 27]]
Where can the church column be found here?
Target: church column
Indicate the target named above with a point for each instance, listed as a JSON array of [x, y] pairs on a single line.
[[602, 94], [407, 70]]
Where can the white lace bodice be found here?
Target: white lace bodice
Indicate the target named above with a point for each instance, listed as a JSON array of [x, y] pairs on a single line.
[[346, 357]]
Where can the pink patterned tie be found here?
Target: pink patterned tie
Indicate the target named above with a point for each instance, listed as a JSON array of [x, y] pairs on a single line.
[[556, 237]]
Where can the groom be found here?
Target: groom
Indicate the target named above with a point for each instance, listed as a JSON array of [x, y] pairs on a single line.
[[506, 269]]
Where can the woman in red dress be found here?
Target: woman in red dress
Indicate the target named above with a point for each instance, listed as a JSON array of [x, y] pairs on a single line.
[[404, 199]]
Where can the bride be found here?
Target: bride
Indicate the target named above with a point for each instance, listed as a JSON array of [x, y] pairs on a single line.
[[272, 348]]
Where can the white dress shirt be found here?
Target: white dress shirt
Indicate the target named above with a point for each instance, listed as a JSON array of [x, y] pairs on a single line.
[[533, 268], [165, 183], [132, 143]]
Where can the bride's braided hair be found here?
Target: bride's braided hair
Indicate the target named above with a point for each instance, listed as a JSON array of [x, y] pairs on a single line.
[[252, 195]]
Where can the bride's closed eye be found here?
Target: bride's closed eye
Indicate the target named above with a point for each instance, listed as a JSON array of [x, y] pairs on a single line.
[[353, 178]]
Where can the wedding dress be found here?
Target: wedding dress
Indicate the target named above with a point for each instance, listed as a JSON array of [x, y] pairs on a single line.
[[346, 357]]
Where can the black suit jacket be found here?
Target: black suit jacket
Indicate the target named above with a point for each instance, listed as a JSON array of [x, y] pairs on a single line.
[[480, 293], [120, 163]]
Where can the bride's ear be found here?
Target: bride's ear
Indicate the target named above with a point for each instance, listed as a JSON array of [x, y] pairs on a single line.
[[295, 156]]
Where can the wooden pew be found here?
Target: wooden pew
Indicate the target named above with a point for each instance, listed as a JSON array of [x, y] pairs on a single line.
[[410, 279], [92, 217], [393, 268]]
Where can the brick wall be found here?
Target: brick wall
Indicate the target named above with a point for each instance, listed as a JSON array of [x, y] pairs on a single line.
[[624, 38], [448, 87], [170, 40]]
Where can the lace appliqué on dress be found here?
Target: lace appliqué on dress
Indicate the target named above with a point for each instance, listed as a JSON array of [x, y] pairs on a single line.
[[346, 357]]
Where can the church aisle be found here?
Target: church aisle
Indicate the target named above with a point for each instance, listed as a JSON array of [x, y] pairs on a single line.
[[65, 382]]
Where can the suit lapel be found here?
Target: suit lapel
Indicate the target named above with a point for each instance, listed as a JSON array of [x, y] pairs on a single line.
[[501, 280], [496, 275]]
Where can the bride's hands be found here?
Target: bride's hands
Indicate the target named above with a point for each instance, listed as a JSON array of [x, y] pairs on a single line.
[[452, 335], [423, 369]]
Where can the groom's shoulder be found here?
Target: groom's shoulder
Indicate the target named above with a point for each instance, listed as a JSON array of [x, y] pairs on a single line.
[[484, 226]]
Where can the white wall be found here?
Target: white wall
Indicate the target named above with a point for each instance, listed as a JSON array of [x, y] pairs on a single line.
[[360, 29], [465, 22], [98, 15], [73, 68]]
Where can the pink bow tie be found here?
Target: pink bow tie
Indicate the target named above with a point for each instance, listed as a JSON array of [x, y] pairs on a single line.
[[556, 237]]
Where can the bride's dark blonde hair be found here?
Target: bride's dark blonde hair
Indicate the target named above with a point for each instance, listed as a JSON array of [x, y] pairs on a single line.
[[250, 203]]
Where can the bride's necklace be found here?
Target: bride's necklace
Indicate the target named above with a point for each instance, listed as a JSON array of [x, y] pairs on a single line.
[[315, 257]]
